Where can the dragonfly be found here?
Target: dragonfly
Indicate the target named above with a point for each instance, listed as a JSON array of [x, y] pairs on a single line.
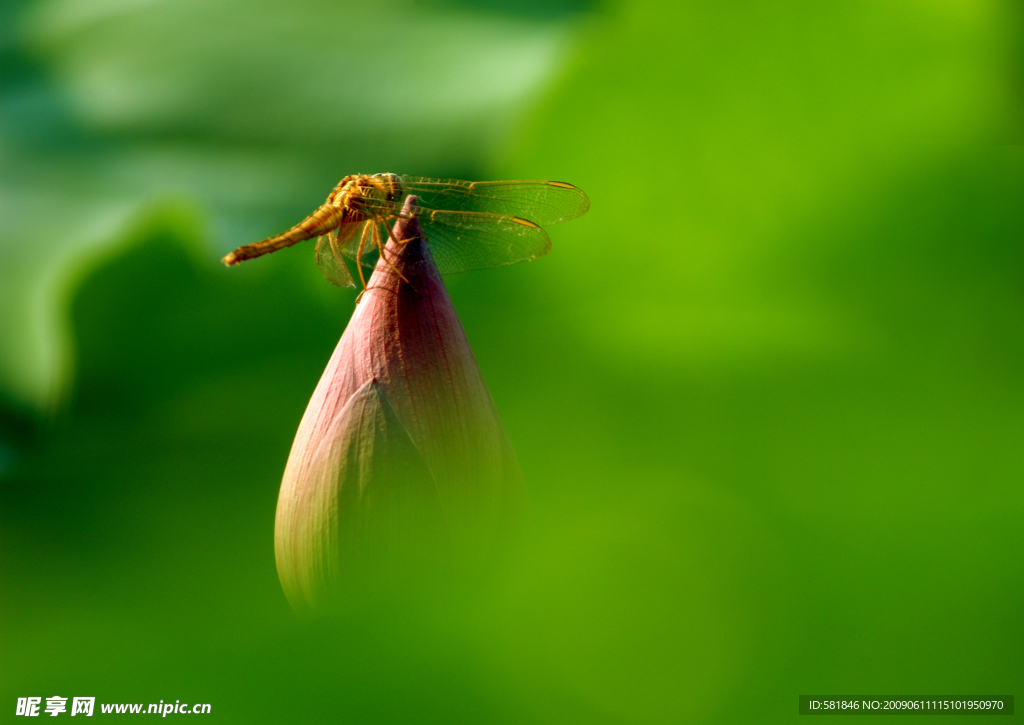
[[467, 224]]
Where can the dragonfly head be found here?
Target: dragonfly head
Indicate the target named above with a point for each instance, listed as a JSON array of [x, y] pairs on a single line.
[[392, 184]]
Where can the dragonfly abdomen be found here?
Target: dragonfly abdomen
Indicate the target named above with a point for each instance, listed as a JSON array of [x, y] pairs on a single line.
[[323, 220]]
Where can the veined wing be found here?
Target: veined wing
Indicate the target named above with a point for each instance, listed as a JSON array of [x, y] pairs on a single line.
[[463, 240], [328, 254], [365, 236], [542, 202]]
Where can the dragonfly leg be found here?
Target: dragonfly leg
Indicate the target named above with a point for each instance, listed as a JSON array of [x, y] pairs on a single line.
[[380, 248], [359, 261], [391, 235]]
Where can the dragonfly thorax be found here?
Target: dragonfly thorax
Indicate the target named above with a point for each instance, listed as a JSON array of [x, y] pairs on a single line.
[[358, 191]]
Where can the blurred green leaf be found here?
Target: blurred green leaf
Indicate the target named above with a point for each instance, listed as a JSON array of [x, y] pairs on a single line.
[[249, 112]]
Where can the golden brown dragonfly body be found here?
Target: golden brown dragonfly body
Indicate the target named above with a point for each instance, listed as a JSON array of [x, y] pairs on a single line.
[[468, 224]]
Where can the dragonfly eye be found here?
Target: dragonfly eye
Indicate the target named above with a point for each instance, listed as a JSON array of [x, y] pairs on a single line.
[[393, 183]]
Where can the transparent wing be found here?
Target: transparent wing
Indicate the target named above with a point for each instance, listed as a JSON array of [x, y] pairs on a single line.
[[461, 241], [365, 236], [542, 202], [328, 255]]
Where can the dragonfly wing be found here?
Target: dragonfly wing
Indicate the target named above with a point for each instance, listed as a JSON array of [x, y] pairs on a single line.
[[542, 202], [328, 256], [461, 241], [362, 234]]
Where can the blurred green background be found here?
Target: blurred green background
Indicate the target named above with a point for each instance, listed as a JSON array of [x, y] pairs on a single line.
[[768, 394]]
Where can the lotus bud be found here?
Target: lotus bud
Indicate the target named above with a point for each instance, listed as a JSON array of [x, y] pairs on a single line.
[[401, 445]]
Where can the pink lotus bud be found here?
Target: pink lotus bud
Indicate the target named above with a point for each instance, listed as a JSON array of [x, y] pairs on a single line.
[[401, 444]]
